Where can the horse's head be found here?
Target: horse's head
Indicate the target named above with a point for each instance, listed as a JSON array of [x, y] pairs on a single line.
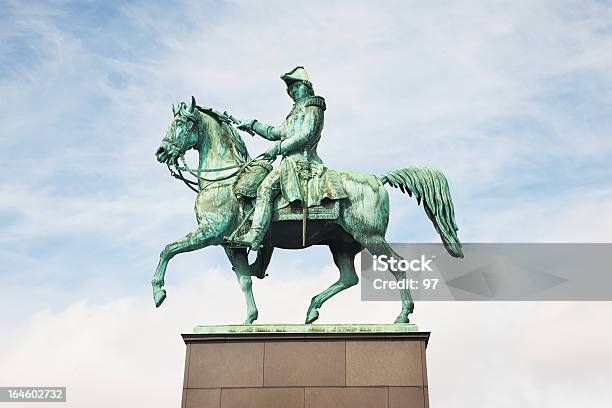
[[182, 135]]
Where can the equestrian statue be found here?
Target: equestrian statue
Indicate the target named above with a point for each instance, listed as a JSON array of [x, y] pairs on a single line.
[[244, 204]]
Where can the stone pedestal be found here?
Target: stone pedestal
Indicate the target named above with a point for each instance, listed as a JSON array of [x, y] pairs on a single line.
[[306, 366]]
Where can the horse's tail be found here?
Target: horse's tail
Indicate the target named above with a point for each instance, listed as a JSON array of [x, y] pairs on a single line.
[[431, 186]]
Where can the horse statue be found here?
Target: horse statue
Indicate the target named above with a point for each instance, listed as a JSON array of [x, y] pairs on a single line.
[[357, 222]]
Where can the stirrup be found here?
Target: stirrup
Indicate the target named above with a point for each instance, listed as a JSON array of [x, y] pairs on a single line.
[[233, 242]]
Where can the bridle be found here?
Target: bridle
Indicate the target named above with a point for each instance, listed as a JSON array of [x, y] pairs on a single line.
[[177, 171]]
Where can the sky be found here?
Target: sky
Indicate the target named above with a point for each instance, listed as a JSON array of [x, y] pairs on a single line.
[[510, 99]]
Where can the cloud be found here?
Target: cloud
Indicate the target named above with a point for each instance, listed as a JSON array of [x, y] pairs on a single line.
[[505, 353], [493, 96], [510, 100]]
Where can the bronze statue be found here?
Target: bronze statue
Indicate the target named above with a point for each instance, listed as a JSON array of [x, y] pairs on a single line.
[[302, 203], [301, 177]]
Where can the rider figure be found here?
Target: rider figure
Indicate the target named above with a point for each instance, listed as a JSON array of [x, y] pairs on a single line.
[[296, 140]]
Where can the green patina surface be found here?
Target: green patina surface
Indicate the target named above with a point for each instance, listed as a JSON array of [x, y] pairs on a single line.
[[306, 328], [222, 210]]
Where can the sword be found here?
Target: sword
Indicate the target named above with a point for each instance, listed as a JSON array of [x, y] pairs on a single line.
[[305, 173], [304, 212]]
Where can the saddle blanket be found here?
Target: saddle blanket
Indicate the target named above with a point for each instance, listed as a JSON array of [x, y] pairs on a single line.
[[328, 210]]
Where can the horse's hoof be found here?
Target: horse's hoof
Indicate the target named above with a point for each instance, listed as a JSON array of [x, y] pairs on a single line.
[[159, 296], [260, 274], [250, 319], [313, 314], [402, 318]]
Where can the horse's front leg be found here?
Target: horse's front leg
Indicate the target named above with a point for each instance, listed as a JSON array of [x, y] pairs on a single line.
[[240, 265], [199, 238]]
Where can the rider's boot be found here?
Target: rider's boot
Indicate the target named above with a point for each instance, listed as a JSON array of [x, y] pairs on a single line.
[[261, 220]]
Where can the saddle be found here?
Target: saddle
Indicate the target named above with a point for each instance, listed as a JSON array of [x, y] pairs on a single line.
[[245, 190]]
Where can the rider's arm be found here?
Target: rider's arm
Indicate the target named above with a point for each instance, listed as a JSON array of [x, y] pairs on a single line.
[[313, 116], [267, 131]]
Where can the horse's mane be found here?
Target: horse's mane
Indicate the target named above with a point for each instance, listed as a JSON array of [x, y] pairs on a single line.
[[238, 144]]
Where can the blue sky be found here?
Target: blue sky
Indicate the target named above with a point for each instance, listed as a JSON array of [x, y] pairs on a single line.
[[511, 100]]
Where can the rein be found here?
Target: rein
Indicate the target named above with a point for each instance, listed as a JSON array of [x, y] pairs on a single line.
[[196, 172]]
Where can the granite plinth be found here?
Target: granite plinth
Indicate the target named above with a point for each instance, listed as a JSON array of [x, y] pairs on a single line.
[[306, 366]]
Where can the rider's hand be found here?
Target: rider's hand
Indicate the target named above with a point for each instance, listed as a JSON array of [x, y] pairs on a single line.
[[271, 153], [247, 125]]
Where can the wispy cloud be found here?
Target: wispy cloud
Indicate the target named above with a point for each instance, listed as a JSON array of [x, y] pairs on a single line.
[[512, 353], [510, 100]]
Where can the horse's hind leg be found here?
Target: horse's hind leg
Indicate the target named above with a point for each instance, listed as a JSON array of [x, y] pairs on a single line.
[[344, 258], [259, 267], [199, 238], [382, 247], [240, 265]]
